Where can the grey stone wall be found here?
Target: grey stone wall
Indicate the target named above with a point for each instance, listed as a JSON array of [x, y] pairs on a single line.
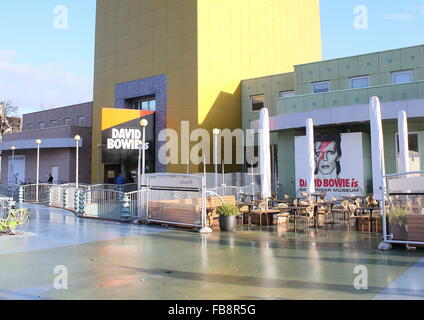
[[144, 87]]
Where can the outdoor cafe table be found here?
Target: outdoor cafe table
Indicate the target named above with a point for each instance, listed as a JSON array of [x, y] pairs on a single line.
[[370, 209], [251, 205], [294, 210]]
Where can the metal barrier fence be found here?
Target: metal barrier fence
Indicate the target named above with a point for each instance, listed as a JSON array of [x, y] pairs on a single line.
[[403, 208], [9, 190], [30, 192], [105, 204], [176, 199], [178, 207], [4, 206]]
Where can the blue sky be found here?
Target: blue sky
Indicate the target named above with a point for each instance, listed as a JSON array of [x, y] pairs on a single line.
[[42, 67]]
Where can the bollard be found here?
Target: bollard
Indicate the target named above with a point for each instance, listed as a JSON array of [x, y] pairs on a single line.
[[65, 197], [11, 204], [88, 196], [76, 201], [120, 188], [48, 195], [82, 198], [21, 194], [125, 212]]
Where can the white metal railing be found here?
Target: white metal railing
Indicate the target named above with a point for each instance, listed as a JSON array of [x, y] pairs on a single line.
[[103, 204]]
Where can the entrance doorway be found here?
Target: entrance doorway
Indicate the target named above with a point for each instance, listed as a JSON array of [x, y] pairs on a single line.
[[16, 169]]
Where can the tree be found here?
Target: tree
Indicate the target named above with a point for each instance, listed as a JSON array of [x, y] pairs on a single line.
[[9, 120]]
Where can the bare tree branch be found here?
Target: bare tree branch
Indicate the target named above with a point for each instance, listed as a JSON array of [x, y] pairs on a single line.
[[9, 121]]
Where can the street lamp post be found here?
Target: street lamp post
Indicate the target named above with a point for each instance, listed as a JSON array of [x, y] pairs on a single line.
[[140, 146], [215, 154], [13, 171], [144, 123], [37, 142], [77, 140]]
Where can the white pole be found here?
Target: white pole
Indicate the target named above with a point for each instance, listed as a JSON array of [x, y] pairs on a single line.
[[77, 139], [403, 142], [13, 171], [140, 145], [98, 162], [76, 169], [144, 153], [223, 173], [144, 123], [311, 156], [38, 142], [215, 154]]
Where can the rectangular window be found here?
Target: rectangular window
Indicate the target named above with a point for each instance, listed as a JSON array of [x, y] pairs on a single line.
[[41, 125], [147, 103], [30, 126], [359, 82], [402, 77], [285, 94], [257, 102], [81, 120], [53, 123], [67, 121], [320, 87]]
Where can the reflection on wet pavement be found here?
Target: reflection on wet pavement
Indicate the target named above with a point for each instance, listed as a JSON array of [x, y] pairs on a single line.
[[107, 260]]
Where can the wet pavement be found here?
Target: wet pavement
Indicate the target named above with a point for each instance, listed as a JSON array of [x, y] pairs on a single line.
[[108, 260]]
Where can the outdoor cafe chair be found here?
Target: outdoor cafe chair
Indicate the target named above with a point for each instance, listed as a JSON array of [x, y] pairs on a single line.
[[244, 209], [324, 210], [353, 214], [284, 211], [307, 215], [341, 209]]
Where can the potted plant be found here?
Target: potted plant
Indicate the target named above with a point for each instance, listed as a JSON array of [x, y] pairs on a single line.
[[398, 219], [227, 217]]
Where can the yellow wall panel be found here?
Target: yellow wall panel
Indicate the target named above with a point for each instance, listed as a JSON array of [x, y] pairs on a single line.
[[205, 47]]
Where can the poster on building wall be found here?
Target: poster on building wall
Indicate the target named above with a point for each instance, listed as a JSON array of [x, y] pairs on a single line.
[[120, 132], [339, 164]]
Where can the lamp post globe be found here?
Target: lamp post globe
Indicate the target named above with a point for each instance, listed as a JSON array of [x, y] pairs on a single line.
[[144, 123]]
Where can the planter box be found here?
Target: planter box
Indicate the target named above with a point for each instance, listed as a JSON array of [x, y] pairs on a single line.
[[399, 232], [416, 227]]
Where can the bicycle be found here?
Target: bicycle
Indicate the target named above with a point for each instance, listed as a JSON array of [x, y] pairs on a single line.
[[17, 222]]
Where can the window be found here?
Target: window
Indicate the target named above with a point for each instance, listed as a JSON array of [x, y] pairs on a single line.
[[359, 82], [285, 94], [319, 87], [41, 125], [67, 121], [53, 123], [147, 103], [402, 77], [257, 102], [81, 120], [30, 126]]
